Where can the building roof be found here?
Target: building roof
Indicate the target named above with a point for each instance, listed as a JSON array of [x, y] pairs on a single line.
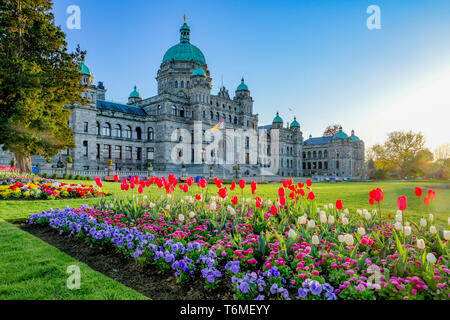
[[266, 127], [295, 123], [277, 119], [340, 134], [198, 72], [84, 69], [184, 51], [135, 93], [118, 107], [318, 140], [242, 86]]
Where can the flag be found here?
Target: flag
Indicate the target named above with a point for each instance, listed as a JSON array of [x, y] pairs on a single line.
[[217, 126]]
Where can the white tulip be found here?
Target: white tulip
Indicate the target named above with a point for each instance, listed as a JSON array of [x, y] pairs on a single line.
[[423, 222], [398, 217], [374, 211], [345, 221], [348, 239], [367, 216], [359, 211], [231, 210], [446, 235], [431, 258], [330, 206], [181, 201], [331, 220], [399, 212], [325, 207], [169, 196], [420, 244], [361, 231], [318, 210], [364, 211], [152, 205], [249, 200], [407, 231], [341, 238], [398, 226], [315, 240], [448, 221], [346, 211], [311, 223], [181, 217], [323, 217], [431, 217], [407, 223], [168, 207], [212, 206], [269, 202], [302, 219], [292, 234], [191, 214], [433, 230]]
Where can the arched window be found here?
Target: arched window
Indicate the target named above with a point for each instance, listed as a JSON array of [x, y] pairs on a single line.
[[309, 165], [314, 154], [320, 155], [212, 115], [182, 112], [320, 164], [309, 156], [98, 128], [150, 134], [118, 131], [176, 84], [325, 154], [174, 110], [217, 116], [304, 155], [182, 84], [127, 132], [235, 120], [337, 164], [107, 129], [229, 118], [224, 117], [138, 133]]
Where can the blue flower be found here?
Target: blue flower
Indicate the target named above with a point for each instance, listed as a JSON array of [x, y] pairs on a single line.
[[315, 287], [302, 293], [243, 287]]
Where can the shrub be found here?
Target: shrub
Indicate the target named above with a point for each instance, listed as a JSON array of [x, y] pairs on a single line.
[[44, 175], [54, 176], [64, 176], [70, 176]]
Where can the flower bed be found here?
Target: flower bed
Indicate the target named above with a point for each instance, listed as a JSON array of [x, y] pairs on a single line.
[[283, 249], [22, 187]]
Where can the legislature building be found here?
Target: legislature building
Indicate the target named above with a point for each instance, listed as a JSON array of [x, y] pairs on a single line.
[[173, 129]]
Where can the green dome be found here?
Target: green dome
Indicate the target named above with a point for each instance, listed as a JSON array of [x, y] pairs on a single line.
[[340, 134], [277, 119], [184, 51], [135, 93], [84, 69], [295, 123], [198, 72], [354, 138], [242, 86]]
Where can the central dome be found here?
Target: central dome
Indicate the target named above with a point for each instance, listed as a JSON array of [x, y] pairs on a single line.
[[184, 51]]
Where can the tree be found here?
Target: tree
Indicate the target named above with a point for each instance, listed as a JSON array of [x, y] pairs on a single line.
[[442, 152], [331, 130], [402, 153], [38, 77]]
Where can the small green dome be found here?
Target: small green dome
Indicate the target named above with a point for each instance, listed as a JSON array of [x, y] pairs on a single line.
[[277, 119], [354, 138], [340, 134], [135, 93], [84, 69], [295, 123], [242, 86], [198, 72]]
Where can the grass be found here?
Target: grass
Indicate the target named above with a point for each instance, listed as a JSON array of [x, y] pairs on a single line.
[[32, 269]]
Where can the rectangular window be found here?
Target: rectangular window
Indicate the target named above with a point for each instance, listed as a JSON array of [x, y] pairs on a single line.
[[85, 148], [107, 151], [118, 150], [98, 151], [86, 127], [138, 153], [150, 152], [128, 154]]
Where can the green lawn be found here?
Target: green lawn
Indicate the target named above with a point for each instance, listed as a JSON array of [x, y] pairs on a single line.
[[32, 269]]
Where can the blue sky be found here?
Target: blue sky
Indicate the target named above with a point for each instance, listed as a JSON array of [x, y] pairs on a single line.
[[315, 57]]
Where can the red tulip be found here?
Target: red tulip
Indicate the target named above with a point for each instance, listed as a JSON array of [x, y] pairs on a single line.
[[274, 209], [300, 185], [431, 194], [223, 193], [242, 184], [371, 201], [253, 186], [281, 192], [258, 203], [190, 181], [233, 185], [202, 183], [131, 185], [198, 197], [309, 182], [282, 201], [140, 189], [311, 196], [339, 204], [418, 191], [234, 200], [148, 183], [302, 192], [426, 200], [402, 203], [116, 178], [218, 183], [378, 196]]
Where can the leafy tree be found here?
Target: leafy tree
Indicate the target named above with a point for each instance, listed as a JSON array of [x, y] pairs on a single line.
[[402, 154], [38, 77], [331, 130], [442, 152]]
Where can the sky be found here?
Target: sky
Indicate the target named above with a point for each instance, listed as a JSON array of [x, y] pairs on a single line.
[[317, 58]]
